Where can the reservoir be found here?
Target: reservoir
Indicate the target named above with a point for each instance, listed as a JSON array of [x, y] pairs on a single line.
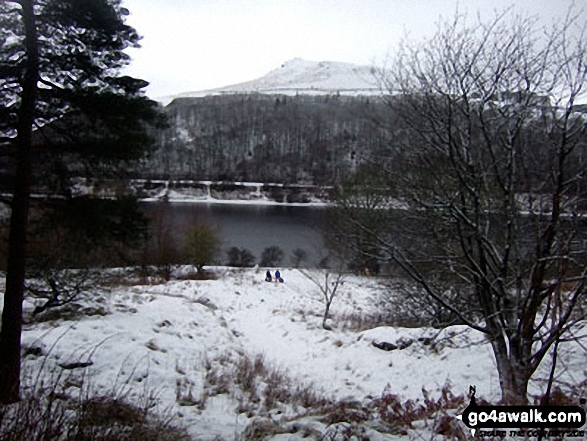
[[254, 227]]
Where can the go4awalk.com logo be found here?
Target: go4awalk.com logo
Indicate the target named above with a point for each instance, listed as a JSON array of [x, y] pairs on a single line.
[[545, 420]]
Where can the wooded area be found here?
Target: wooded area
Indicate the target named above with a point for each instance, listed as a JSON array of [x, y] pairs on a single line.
[[267, 138]]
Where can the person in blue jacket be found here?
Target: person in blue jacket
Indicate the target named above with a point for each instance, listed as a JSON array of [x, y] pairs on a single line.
[[278, 276]]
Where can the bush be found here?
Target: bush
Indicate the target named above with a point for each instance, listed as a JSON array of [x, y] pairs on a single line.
[[48, 413], [109, 231], [299, 256], [272, 256], [240, 257], [258, 386], [202, 246], [161, 252], [276, 404]]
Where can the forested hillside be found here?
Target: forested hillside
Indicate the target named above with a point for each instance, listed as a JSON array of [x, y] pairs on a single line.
[[268, 138]]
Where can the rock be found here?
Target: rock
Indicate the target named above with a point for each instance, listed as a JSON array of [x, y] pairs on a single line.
[[34, 351], [404, 343], [384, 346], [76, 365]]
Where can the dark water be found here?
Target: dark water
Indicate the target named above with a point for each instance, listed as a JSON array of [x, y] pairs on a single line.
[[254, 227]]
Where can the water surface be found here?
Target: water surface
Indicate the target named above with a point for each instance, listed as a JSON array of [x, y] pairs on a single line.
[[254, 227]]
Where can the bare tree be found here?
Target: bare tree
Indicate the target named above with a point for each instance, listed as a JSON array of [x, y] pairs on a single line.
[[358, 218], [489, 155], [162, 250], [328, 288]]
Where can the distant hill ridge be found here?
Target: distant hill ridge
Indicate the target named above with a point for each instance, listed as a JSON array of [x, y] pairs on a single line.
[[303, 77]]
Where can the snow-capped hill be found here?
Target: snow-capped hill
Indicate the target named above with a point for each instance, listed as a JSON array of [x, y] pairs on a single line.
[[299, 76]]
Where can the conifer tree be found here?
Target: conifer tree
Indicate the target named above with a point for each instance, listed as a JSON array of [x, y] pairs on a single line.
[[62, 98]]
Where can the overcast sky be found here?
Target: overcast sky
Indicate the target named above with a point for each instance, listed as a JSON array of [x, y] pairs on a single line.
[[192, 45]]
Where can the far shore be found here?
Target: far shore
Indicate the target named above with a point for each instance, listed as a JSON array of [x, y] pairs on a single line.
[[266, 202]]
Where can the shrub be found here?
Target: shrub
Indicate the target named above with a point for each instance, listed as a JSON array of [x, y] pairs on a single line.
[[276, 405], [202, 246], [272, 256], [299, 256], [46, 412], [161, 250], [240, 257], [254, 382], [57, 288], [109, 231]]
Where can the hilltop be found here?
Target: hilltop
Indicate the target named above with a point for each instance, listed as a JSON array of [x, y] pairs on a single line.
[[302, 77]]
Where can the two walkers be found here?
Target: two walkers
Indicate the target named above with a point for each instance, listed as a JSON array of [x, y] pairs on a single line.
[[269, 278]]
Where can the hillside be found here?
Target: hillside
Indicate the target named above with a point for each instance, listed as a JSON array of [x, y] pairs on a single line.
[[302, 77], [303, 139], [305, 122]]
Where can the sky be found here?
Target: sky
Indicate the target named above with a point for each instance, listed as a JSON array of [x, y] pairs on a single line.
[[194, 45]]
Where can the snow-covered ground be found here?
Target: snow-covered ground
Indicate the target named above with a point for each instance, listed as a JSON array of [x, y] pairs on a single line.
[[166, 338]]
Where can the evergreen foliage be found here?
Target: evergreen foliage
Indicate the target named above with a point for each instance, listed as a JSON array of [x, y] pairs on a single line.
[[65, 109]]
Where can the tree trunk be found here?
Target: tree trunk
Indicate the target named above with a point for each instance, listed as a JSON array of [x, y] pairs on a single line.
[[10, 334], [326, 312], [513, 377]]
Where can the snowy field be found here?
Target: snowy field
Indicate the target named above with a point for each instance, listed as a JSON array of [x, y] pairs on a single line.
[[179, 342]]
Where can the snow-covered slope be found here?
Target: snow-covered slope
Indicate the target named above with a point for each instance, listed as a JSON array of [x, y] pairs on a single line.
[[180, 339], [300, 76]]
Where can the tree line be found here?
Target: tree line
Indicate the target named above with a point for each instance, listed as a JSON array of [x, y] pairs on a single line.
[[266, 138]]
